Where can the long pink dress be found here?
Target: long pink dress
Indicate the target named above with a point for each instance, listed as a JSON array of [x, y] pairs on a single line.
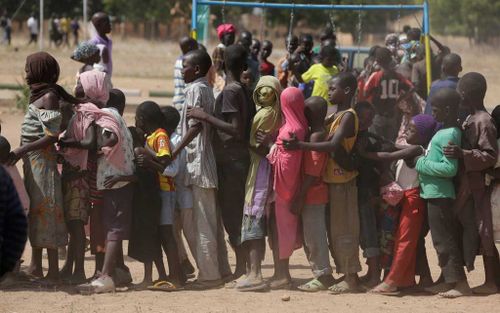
[[287, 169]]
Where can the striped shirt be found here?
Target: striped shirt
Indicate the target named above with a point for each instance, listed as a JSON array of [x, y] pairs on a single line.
[[13, 225], [201, 170], [179, 85]]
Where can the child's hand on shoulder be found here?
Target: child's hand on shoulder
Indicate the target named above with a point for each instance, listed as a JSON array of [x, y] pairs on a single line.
[[291, 144], [197, 114], [110, 181], [453, 151]]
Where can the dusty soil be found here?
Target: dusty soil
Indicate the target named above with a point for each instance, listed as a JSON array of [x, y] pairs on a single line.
[[148, 66]]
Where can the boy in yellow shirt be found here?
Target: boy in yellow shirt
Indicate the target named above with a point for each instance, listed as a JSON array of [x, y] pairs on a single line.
[[321, 73]]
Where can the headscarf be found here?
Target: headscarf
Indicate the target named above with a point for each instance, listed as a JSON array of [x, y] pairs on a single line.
[[84, 51], [95, 86], [427, 126], [225, 29], [287, 164], [266, 95], [42, 73], [85, 115]]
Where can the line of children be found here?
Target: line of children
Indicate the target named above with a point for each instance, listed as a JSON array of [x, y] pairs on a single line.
[[297, 169]]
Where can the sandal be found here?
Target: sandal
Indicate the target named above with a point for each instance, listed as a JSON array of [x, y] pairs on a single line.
[[165, 286], [312, 286], [342, 288]]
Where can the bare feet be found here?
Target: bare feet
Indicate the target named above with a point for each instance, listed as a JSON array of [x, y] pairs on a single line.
[[142, 286], [33, 271], [461, 289], [486, 289], [439, 288], [282, 283]]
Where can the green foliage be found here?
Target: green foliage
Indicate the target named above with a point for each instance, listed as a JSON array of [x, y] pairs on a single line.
[[476, 19], [23, 97]]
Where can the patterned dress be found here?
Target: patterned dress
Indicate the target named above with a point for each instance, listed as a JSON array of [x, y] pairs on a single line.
[[47, 228]]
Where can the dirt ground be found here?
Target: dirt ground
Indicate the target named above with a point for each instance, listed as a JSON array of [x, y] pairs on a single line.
[[148, 66]]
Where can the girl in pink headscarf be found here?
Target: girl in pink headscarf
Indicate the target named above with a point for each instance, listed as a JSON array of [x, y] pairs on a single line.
[[79, 148], [287, 167]]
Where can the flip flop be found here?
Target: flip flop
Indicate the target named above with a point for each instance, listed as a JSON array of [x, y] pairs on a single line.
[[165, 286], [339, 289], [312, 286]]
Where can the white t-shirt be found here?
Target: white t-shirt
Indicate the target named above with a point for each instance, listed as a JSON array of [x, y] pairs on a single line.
[[33, 25], [406, 177]]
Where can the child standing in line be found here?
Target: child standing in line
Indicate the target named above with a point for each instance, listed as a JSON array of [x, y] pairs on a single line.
[[201, 174], [286, 165], [233, 116], [495, 183], [115, 169], [478, 155], [144, 244], [344, 215], [149, 119], [320, 73], [78, 143], [436, 173], [402, 272], [266, 67], [258, 186], [368, 182], [183, 213], [312, 200]]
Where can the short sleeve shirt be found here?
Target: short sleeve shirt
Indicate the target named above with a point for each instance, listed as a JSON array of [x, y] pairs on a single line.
[[159, 142], [233, 99], [314, 165], [384, 88], [321, 75]]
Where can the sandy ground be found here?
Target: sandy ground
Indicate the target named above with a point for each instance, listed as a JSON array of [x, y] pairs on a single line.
[[65, 300], [145, 66]]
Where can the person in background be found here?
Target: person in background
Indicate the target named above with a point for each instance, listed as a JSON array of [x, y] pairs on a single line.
[[102, 24], [266, 67], [6, 24], [33, 28], [75, 29], [451, 68], [216, 76], [64, 25], [255, 49], [186, 44], [246, 41], [285, 74], [320, 73]]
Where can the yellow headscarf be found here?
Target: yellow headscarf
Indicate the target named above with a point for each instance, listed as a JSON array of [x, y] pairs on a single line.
[[268, 119]]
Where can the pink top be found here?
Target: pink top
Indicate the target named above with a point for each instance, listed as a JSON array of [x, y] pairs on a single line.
[[86, 113], [287, 164]]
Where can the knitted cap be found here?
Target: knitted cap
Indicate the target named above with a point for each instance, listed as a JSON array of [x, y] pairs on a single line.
[[426, 125]]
